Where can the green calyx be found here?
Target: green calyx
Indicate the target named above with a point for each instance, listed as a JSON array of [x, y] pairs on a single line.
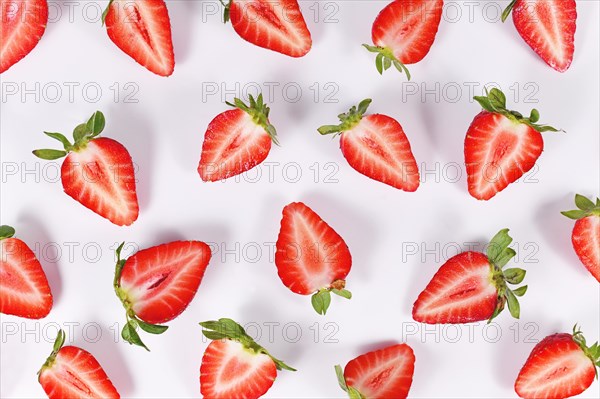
[[499, 255], [385, 59], [228, 329], [586, 207], [352, 392], [129, 332], [82, 134], [259, 112], [495, 101], [322, 299], [105, 12], [508, 10], [58, 343], [348, 120], [592, 352], [6, 232], [226, 10]]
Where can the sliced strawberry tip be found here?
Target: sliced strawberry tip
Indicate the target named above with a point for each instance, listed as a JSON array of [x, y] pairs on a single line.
[[385, 59], [225, 328], [348, 120], [259, 111]]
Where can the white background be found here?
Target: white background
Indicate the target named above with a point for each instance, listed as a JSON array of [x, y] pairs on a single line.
[[382, 226]]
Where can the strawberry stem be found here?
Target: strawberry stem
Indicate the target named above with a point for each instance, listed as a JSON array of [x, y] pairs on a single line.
[[225, 328], [495, 101], [6, 232], [586, 207], [348, 120], [385, 59], [226, 10], [508, 10], [259, 112], [105, 12], [58, 343], [592, 352]]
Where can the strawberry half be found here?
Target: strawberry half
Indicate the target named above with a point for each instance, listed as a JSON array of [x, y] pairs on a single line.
[[381, 374], [376, 146], [71, 372], [234, 365], [276, 25], [24, 289], [311, 258], [548, 27], [142, 30], [500, 146], [472, 286], [560, 366], [586, 233], [236, 140], [155, 285], [22, 24], [403, 33], [97, 172]]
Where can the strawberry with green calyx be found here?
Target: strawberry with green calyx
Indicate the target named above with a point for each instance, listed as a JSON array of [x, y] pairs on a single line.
[[156, 284], [71, 372], [376, 146], [473, 286], [404, 32], [97, 171], [237, 140], [254, 370], [501, 145], [559, 366], [586, 233]]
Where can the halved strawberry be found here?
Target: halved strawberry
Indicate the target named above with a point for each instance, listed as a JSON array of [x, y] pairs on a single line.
[[560, 366], [236, 140], [500, 146], [22, 24], [472, 286], [276, 25], [71, 372], [97, 172], [586, 233], [376, 146], [156, 284], [548, 27], [234, 365], [380, 374], [403, 33], [24, 289], [142, 30], [311, 257]]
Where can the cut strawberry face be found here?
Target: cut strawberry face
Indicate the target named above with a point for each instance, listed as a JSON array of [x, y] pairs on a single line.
[[276, 25], [472, 286], [24, 289], [142, 30], [381, 374], [586, 233], [376, 146], [97, 172], [500, 146], [560, 366], [234, 365], [71, 372], [404, 32], [236, 140], [22, 24], [548, 27], [155, 285], [311, 258]]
